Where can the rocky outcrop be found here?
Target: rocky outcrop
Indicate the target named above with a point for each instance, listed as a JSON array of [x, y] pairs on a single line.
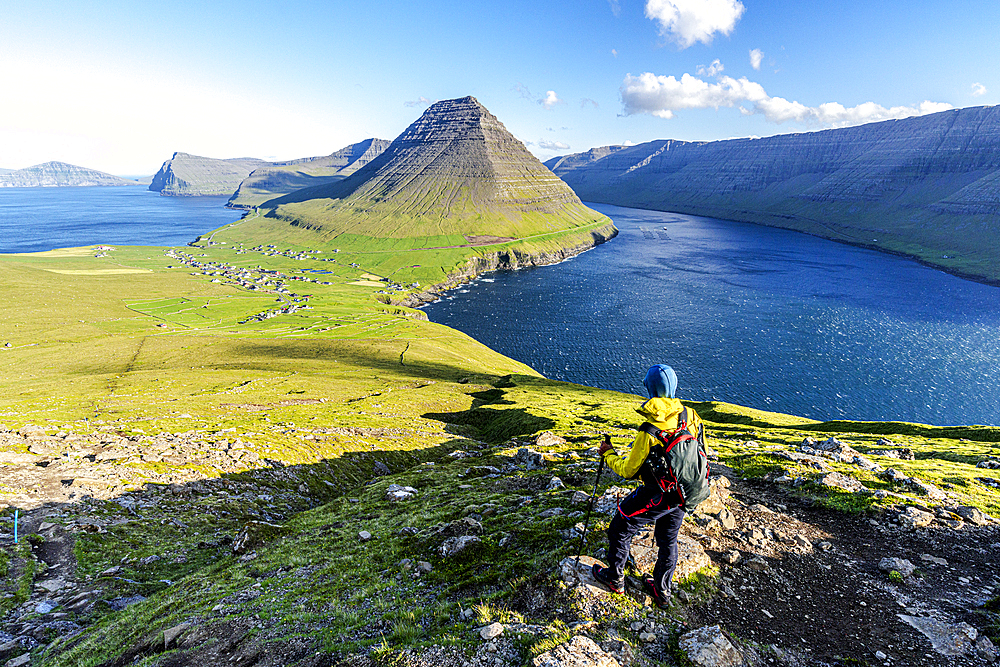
[[57, 174], [193, 175], [281, 178], [924, 186]]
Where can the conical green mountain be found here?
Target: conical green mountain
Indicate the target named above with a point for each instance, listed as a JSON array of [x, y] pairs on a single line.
[[456, 170]]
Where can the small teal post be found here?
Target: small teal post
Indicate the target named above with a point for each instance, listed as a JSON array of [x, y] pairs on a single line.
[[15, 525]]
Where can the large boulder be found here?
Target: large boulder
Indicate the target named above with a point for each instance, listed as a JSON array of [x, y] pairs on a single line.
[[951, 639], [719, 494], [709, 647], [580, 651], [691, 557]]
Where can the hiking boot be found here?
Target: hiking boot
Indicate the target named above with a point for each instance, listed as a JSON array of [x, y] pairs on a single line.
[[603, 575], [661, 600]]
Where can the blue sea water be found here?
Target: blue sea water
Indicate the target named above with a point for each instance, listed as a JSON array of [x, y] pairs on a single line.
[[38, 219], [746, 314]]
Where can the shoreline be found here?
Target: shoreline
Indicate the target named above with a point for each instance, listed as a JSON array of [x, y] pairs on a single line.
[[505, 260], [971, 277]]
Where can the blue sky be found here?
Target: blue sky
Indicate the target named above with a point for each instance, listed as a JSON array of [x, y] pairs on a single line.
[[120, 86]]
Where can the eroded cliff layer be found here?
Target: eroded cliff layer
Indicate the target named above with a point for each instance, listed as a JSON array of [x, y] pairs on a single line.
[[928, 187], [456, 170]]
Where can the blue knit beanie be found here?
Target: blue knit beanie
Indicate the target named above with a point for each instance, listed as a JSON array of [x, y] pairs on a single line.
[[660, 381]]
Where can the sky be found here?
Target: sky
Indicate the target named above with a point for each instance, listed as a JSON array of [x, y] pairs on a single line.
[[120, 86]]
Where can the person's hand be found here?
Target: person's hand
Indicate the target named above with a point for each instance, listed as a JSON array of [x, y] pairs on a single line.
[[605, 446]]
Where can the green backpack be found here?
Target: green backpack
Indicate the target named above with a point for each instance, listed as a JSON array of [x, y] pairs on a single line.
[[678, 462]]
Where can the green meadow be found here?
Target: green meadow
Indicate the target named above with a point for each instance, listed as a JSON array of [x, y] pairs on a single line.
[[146, 341]]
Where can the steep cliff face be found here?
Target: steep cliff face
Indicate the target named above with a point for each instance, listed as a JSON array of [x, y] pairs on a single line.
[[192, 175], [57, 174], [456, 170], [926, 187], [281, 178]]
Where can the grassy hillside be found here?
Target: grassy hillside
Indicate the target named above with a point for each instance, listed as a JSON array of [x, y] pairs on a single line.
[[183, 424]]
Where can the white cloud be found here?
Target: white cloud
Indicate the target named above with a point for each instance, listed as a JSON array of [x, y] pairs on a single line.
[[978, 89], [586, 101], [663, 95], [419, 102], [550, 100], [756, 56], [614, 52], [552, 145], [689, 21], [616, 7], [712, 70]]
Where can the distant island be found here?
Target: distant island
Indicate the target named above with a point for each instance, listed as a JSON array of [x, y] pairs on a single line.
[[925, 187], [58, 174]]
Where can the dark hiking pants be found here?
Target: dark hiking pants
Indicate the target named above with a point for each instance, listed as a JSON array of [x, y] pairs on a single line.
[[646, 505]]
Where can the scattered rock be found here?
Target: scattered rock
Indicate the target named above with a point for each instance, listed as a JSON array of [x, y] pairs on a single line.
[[580, 651], [911, 517], [530, 459], [709, 647], [986, 650], [947, 639], [364, 535], [19, 661], [837, 480], [170, 635], [254, 534], [395, 492], [732, 557], [925, 489], [973, 515], [574, 573], [482, 471], [491, 631], [691, 556], [547, 439], [456, 545], [555, 483], [901, 565], [727, 519], [580, 497]]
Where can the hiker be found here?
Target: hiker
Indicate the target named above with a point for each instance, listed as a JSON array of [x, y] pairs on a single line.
[[650, 503]]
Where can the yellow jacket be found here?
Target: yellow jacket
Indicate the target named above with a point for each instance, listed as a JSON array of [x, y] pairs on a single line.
[[663, 413]]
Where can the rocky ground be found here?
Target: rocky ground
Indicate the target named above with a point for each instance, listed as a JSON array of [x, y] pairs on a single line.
[[770, 575]]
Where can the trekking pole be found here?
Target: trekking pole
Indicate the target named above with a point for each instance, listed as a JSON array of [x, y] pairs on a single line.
[[590, 505]]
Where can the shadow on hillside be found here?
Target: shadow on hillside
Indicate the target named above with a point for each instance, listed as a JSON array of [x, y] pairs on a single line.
[[374, 356], [162, 533]]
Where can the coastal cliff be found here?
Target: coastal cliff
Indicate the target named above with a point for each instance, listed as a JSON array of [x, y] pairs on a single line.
[[58, 174], [193, 175], [926, 187]]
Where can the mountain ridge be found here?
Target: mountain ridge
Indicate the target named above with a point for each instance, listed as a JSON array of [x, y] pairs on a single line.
[[903, 186], [280, 178]]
